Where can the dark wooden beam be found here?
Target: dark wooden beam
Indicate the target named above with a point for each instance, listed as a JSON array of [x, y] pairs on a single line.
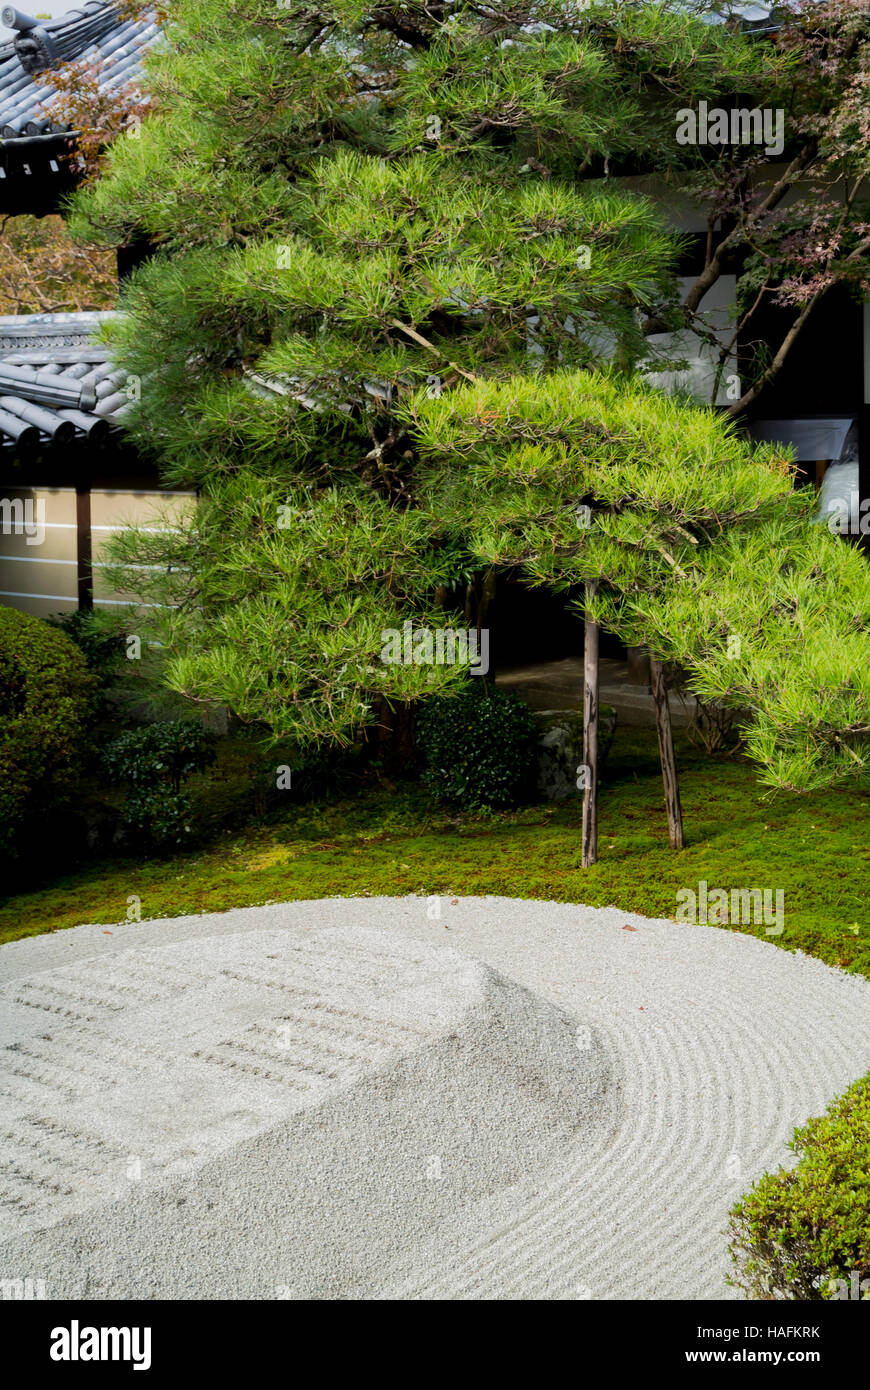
[[84, 545]]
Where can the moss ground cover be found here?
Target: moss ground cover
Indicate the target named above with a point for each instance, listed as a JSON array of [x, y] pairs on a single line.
[[393, 839]]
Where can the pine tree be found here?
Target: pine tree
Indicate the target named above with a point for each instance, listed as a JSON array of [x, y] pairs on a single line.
[[775, 623], [385, 333], [353, 202], [590, 485], [666, 527]]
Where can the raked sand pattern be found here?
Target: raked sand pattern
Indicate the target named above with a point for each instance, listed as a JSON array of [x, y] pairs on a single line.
[[349, 1099]]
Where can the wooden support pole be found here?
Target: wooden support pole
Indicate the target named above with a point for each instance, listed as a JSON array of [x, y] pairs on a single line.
[[590, 733], [666, 753], [84, 547]]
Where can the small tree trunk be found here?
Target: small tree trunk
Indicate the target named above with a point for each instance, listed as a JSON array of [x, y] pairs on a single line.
[[666, 753], [638, 666], [487, 594], [590, 734], [395, 737]]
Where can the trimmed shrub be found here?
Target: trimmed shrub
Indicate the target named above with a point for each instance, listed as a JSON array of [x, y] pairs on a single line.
[[46, 700], [154, 761], [805, 1233], [479, 747]]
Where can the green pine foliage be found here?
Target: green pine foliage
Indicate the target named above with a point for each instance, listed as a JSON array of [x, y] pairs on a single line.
[[776, 623], [704, 550], [283, 621], [290, 352], [354, 205]]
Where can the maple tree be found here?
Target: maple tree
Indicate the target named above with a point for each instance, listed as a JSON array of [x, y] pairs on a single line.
[[46, 272]]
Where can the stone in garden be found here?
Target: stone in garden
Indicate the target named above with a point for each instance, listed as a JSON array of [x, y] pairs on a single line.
[[560, 749]]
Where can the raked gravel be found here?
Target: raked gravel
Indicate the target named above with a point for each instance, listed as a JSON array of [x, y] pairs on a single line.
[[358, 1098]]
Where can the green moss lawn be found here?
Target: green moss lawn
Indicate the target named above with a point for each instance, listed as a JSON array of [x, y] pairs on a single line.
[[391, 839]]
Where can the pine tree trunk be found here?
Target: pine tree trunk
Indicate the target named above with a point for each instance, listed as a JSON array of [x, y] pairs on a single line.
[[666, 753], [395, 737], [487, 594], [590, 735]]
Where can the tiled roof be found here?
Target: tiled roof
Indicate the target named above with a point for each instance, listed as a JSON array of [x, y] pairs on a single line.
[[57, 384], [94, 34]]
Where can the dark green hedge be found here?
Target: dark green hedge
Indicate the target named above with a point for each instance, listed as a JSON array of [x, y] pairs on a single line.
[[46, 700], [805, 1233], [153, 761], [479, 747]]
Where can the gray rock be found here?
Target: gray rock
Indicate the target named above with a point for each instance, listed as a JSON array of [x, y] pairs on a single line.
[[560, 749]]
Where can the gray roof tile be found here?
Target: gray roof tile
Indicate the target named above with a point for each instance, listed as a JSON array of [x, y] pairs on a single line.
[[57, 383], [94, 34]]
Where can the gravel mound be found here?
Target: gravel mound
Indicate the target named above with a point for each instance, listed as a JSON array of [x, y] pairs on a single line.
[[404, 1098], [274, 1113]]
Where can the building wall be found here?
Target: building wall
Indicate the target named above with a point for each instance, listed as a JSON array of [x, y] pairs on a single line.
[[39, 576], [40, 571]]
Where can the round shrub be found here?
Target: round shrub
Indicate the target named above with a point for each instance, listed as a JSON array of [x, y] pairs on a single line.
[[153, 761], [805, 1233], [479, 747], [46, 696]]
